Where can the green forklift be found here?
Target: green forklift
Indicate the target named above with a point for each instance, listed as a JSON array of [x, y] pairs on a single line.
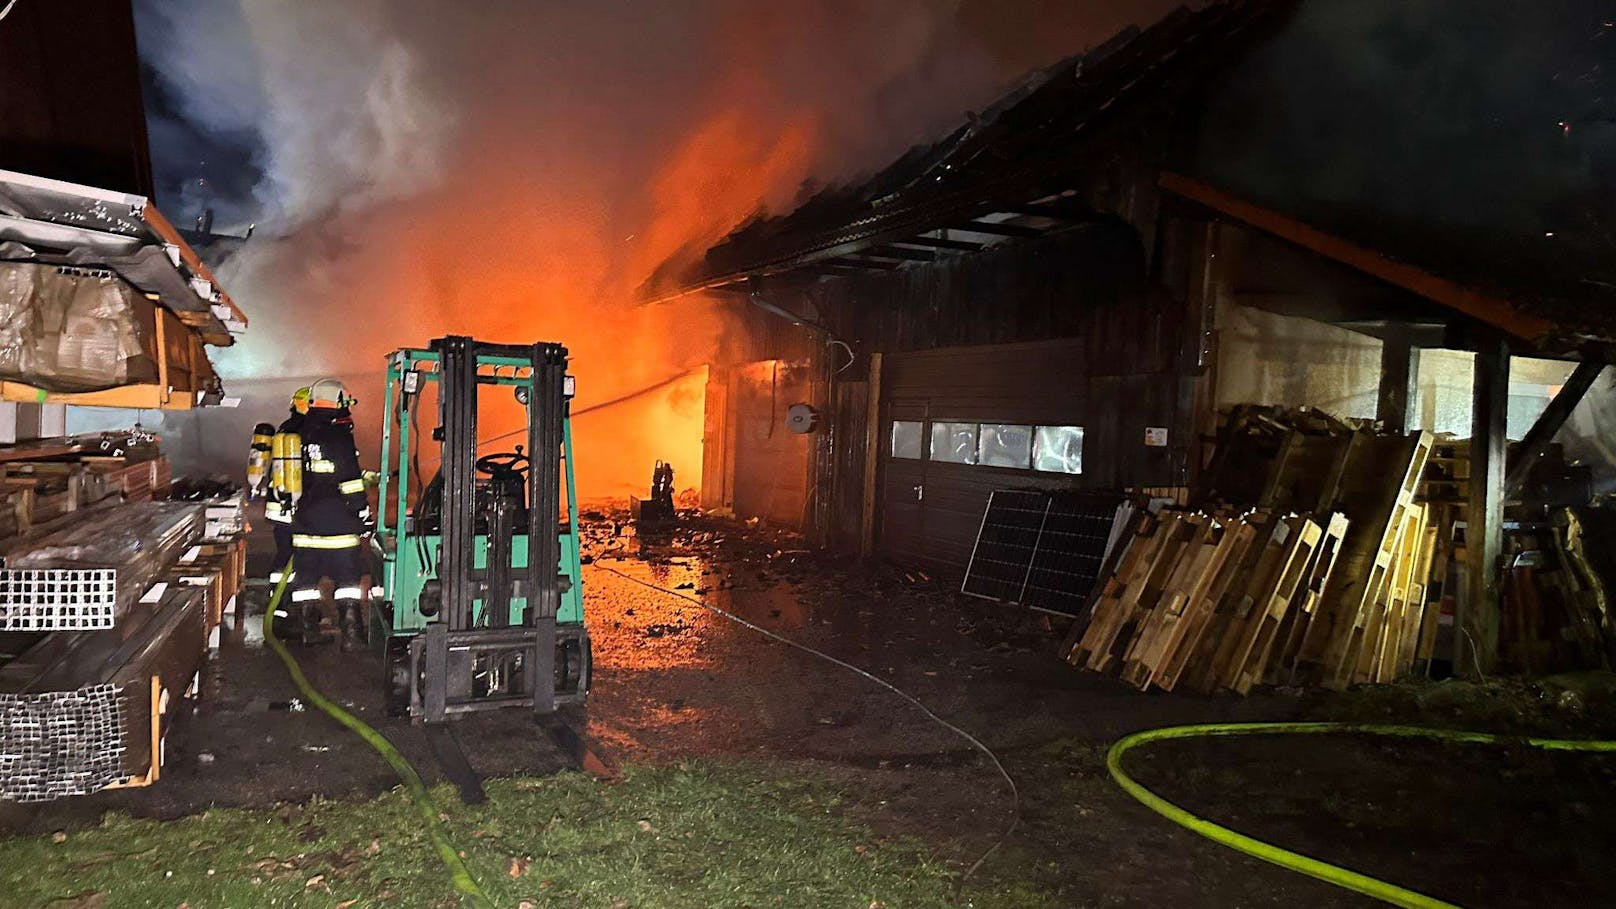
[[482, 605]]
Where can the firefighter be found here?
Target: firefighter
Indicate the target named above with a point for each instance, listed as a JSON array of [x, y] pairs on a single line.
[[286, 480], [331, 515]]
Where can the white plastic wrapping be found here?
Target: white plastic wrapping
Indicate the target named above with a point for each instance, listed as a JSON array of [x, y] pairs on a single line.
[[66, 329]]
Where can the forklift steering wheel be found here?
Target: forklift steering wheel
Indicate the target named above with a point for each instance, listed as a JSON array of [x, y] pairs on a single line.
[[504, 463]]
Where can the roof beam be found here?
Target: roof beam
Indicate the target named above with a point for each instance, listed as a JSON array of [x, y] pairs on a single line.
[[867, 264], [1473, 303], [941, 243], [835, 271], [898, 252], [999, 229], [1074, 212]]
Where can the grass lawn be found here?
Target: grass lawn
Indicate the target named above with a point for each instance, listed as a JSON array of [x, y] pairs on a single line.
[[691, 835]]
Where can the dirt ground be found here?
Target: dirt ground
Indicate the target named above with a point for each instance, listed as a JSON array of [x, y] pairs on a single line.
[[1476, 826]]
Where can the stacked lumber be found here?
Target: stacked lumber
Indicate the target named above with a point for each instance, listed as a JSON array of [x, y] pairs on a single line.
[[35, 493], [1557, 588], [139, 481], [220, 569]]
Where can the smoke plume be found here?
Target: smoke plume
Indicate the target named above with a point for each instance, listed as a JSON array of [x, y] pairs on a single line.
[[514, 170]]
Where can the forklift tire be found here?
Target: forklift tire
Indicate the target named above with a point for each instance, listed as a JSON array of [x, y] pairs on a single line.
[[574, 666], [396, 680]]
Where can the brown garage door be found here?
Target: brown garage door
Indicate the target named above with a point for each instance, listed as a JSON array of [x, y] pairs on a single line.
[[959, 423]]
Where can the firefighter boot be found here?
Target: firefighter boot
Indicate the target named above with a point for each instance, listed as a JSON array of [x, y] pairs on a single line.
[[351, 617], [311, 625]]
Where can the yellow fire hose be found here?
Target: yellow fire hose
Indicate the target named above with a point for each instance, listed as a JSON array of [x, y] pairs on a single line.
[[459, 875], [1268, 852]]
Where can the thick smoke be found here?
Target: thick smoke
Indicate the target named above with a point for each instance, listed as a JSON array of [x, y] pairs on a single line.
[[514, 170], [1494, 118]]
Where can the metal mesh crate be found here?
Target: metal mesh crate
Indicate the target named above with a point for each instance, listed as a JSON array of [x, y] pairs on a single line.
[[58, 599], [60, 743]]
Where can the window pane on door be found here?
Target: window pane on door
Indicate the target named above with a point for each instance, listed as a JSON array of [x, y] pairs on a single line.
[[1058, 449], [906, 436], [953, 442], [1005, 445]]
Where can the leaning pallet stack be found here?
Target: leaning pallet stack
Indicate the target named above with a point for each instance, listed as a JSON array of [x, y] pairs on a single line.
[[1323, 580], [1205, 602]]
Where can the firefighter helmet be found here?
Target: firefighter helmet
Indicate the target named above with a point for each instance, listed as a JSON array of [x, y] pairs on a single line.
[[330, 393]]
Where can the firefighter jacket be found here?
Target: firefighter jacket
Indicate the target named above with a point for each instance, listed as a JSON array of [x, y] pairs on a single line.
[[285, 470], [333, 509]]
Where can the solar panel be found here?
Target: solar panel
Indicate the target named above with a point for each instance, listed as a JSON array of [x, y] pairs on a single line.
[[1044, 549]]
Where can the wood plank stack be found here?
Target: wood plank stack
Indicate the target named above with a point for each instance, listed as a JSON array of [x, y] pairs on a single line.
[[220, 568], [1557, 593], [139, 481], [33, 493]]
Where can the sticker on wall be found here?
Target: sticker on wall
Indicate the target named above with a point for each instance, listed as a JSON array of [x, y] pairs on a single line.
[[1155, 436]]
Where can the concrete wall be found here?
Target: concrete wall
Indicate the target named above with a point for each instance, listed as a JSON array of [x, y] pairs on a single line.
[[1265, 358]]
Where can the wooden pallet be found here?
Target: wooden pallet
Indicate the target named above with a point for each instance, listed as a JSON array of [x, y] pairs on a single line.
[[1225, 567], [1133, 590], [1252, 574], [1156, 627], [1294, 629], [1287, 593], [1352, 601]]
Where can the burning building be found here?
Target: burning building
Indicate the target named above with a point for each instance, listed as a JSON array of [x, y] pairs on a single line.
[[1067, 290]]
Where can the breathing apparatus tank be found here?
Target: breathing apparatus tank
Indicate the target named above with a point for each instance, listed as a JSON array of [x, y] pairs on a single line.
[[259, 458]]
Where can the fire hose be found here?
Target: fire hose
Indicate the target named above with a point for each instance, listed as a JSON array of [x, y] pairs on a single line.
[[1294, 861], [459, 875]]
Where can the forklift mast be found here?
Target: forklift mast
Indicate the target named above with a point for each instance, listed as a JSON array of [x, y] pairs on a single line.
[[482, 605]]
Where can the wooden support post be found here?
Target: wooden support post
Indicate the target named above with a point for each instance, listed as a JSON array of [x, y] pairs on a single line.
[[1399, 371], [872, 458], [1476, 647], [162, 357], [1549, 422]]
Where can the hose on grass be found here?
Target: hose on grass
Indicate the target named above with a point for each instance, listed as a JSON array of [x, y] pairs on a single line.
[[459, 875], [1294, 861], [1015, 793]]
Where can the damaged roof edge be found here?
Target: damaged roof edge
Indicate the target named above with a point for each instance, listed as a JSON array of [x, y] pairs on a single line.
[[1014, 153], [56, 222]]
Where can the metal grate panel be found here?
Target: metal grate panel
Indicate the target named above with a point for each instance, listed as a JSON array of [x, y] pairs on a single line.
[[58, 599], [60, 743], [1042, 549]]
